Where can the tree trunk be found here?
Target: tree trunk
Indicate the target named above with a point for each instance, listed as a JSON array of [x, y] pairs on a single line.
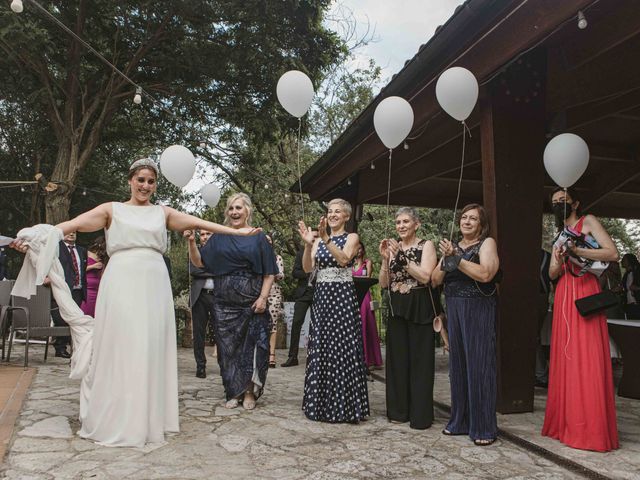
[[65, 173], [57, 206]]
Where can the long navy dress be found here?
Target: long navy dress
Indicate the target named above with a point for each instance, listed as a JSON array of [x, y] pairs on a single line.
[[242, 336], [335, 383], [471, 312]]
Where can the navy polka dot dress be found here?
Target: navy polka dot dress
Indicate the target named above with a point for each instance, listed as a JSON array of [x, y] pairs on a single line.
[[335, 384]]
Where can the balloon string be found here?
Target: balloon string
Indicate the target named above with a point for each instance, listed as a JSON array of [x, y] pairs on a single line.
[[386, 232], [299, 174], [465, 129]]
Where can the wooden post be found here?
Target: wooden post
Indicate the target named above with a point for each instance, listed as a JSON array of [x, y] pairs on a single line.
[[512, 143]]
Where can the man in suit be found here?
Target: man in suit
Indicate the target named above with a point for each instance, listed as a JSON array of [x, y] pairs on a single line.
[[201, 303], [74, 263], [303, 298]]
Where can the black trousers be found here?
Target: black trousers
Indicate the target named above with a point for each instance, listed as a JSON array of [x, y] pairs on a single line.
[[60, 343], [300, 308], [409, 363], [201, 316]]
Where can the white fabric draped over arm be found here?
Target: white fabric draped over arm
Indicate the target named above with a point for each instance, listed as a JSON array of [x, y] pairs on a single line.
[[41, 260]]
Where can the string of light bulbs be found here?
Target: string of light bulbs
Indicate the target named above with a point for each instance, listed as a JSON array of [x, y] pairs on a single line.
[[18, 7]]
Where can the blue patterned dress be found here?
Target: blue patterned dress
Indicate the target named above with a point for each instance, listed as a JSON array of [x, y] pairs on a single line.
[[335, 383]]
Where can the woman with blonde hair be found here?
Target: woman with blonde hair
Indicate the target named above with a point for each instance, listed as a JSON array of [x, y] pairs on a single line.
[[335, 383], [244, 270]]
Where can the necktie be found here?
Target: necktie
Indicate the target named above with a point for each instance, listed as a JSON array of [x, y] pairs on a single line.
[[76, 270]]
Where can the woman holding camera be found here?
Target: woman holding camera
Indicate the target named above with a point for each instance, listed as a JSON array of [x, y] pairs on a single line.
[[581, 410]]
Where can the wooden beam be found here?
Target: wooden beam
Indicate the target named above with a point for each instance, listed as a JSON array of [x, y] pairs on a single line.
[[611, 153], [589, 113], [520, 25], [610, 75], [513, 140], [607, 29], [610, 184], [442, 162], [442, 195]]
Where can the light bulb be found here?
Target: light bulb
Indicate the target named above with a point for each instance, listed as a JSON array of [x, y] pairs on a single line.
[[406, 146], [17, 6], [137, 98], [84, 192], [373, 166], [22, 189], [582, 20], [349, 182]]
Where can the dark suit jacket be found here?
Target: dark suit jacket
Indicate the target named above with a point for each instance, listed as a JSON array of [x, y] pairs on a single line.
[[300, 275], [3, 265], [67, 266], [198, 278]]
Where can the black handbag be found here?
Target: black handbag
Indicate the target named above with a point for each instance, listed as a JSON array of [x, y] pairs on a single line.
[[596, 303]]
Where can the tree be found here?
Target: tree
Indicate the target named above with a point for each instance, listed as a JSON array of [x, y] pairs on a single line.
[[212, 66]]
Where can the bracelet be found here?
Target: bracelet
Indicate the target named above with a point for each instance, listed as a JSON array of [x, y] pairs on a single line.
[[450, 263]]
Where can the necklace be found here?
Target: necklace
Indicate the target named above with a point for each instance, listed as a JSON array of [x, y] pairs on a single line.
[[415, 243], [464, 244]]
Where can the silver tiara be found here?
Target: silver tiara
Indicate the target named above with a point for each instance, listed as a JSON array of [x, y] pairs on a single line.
[[145, 162]]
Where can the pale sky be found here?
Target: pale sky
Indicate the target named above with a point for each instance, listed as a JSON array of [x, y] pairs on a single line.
[[400, 26]]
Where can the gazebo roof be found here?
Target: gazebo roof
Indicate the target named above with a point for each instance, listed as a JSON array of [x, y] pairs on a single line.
[[591, 87]]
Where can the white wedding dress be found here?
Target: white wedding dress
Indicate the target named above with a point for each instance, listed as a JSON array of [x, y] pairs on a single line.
[[132, 378], [126, 357]]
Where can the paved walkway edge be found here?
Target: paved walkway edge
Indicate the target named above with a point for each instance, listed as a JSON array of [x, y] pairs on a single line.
[[527, 445], [12, 407]]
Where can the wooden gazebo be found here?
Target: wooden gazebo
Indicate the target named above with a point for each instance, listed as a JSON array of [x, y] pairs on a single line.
[[540, 75]]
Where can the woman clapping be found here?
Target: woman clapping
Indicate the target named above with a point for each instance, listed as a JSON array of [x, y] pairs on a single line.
[[468, 269], [335, 383], [406, 270]]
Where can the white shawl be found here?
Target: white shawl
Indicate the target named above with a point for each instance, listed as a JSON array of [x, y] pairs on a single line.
[[41, 260]]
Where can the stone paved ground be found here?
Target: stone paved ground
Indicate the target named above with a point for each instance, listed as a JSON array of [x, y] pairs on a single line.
[[273, 441]]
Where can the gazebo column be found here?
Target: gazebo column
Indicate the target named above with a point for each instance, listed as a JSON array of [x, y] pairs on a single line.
[[512, 143]]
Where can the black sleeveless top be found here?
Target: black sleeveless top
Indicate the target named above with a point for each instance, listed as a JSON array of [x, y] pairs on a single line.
[[409, 298], [459, 284]]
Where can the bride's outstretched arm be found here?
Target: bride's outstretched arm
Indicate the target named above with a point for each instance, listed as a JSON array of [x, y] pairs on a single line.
[[90, 221], [179, 221]]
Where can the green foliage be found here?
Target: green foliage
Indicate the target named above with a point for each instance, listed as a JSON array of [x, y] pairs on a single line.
[[179, 256], [212, 65]]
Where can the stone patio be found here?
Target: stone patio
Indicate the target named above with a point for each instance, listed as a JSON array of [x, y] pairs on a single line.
[[276, 441]]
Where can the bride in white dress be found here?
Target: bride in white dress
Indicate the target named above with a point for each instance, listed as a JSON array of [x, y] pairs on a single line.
[[130, 393]]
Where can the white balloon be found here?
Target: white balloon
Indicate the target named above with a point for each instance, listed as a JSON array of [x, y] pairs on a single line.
[[566, 158], [393, 120], [457, 92], [295, 92], [178, 165], [210, 194]]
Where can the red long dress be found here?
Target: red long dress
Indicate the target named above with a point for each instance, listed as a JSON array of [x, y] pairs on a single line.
[[581, 410]]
